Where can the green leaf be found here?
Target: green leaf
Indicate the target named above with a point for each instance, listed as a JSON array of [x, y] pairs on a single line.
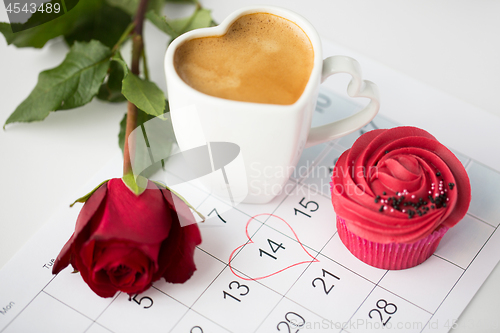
[[117, 57], [111, 90], [144, 94], [121, 133], [6, 30], [157, 133], [88, 195], [106, 26], [39, 16], [130, 6], [156, 6], [184, 1], [161, 23], [71, 84], [41, 34], [135, 184], [201, 18], [142, 117]]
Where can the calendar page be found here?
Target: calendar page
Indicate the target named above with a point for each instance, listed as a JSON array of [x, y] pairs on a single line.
[[275, 267]]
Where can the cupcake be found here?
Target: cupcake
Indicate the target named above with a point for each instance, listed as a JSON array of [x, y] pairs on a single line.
[[396, 192]]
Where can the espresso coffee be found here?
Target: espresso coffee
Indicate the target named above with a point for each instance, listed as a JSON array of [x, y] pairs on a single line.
[[263, 58]]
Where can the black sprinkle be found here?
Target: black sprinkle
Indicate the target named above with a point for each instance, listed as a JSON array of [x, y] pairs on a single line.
[[433, 206], [387, 152], [438, 173], [451, 185], [384, 193], [381, 208], [444, 205]]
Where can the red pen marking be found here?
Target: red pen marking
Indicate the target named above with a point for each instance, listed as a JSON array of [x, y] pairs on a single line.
[[251, 241]]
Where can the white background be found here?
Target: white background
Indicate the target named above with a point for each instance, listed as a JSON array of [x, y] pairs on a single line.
[[451, 45]]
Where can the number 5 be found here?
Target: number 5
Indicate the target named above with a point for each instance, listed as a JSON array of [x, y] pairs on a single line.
[[143, 298]]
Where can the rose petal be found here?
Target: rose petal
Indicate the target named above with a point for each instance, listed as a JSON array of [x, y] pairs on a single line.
[[184, 214], [142, 219], [99, 284], [176, 254], [129, 269], [87, 212]]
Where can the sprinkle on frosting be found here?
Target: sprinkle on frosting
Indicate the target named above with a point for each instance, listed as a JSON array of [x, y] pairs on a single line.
[[405, 174]]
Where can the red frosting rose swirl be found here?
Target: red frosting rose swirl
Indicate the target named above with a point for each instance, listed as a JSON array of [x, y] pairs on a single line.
[[399, 185]]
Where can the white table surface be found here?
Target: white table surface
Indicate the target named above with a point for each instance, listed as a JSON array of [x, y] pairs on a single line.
[[448, 44]]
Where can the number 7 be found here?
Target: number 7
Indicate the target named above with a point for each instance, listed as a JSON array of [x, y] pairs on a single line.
[[215, 210]]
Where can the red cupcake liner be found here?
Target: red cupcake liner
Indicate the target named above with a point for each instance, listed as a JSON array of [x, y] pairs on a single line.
[[392, 256]]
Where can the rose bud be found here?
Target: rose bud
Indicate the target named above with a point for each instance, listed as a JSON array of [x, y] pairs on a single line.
[[125, 242]]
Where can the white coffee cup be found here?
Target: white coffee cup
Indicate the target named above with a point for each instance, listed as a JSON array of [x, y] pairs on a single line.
[[270, 136]]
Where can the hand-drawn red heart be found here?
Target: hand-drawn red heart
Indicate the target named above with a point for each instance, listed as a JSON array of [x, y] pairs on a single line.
[[281, 229]]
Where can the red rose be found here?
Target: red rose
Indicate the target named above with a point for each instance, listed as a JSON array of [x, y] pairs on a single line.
[[124, 242], [399, 185]]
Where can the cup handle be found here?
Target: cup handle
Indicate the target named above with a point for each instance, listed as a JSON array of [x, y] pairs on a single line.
[[357, 88]]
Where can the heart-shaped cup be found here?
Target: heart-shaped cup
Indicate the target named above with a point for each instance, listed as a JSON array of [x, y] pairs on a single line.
[[270, 135]]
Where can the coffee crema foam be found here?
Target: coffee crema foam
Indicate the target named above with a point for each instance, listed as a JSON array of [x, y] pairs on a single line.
[[263, 58]]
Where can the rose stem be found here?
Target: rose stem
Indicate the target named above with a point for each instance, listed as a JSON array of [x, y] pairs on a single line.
[[137, 47]]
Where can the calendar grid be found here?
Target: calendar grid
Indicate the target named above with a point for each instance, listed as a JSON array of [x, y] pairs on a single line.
[[284, 296], [481, 248], [444, 299], [305, 273], [69, 306], [6, 326], [406, 300], [451, 262], [94, 322], [367, 296], [189, 308], [481, 220]]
